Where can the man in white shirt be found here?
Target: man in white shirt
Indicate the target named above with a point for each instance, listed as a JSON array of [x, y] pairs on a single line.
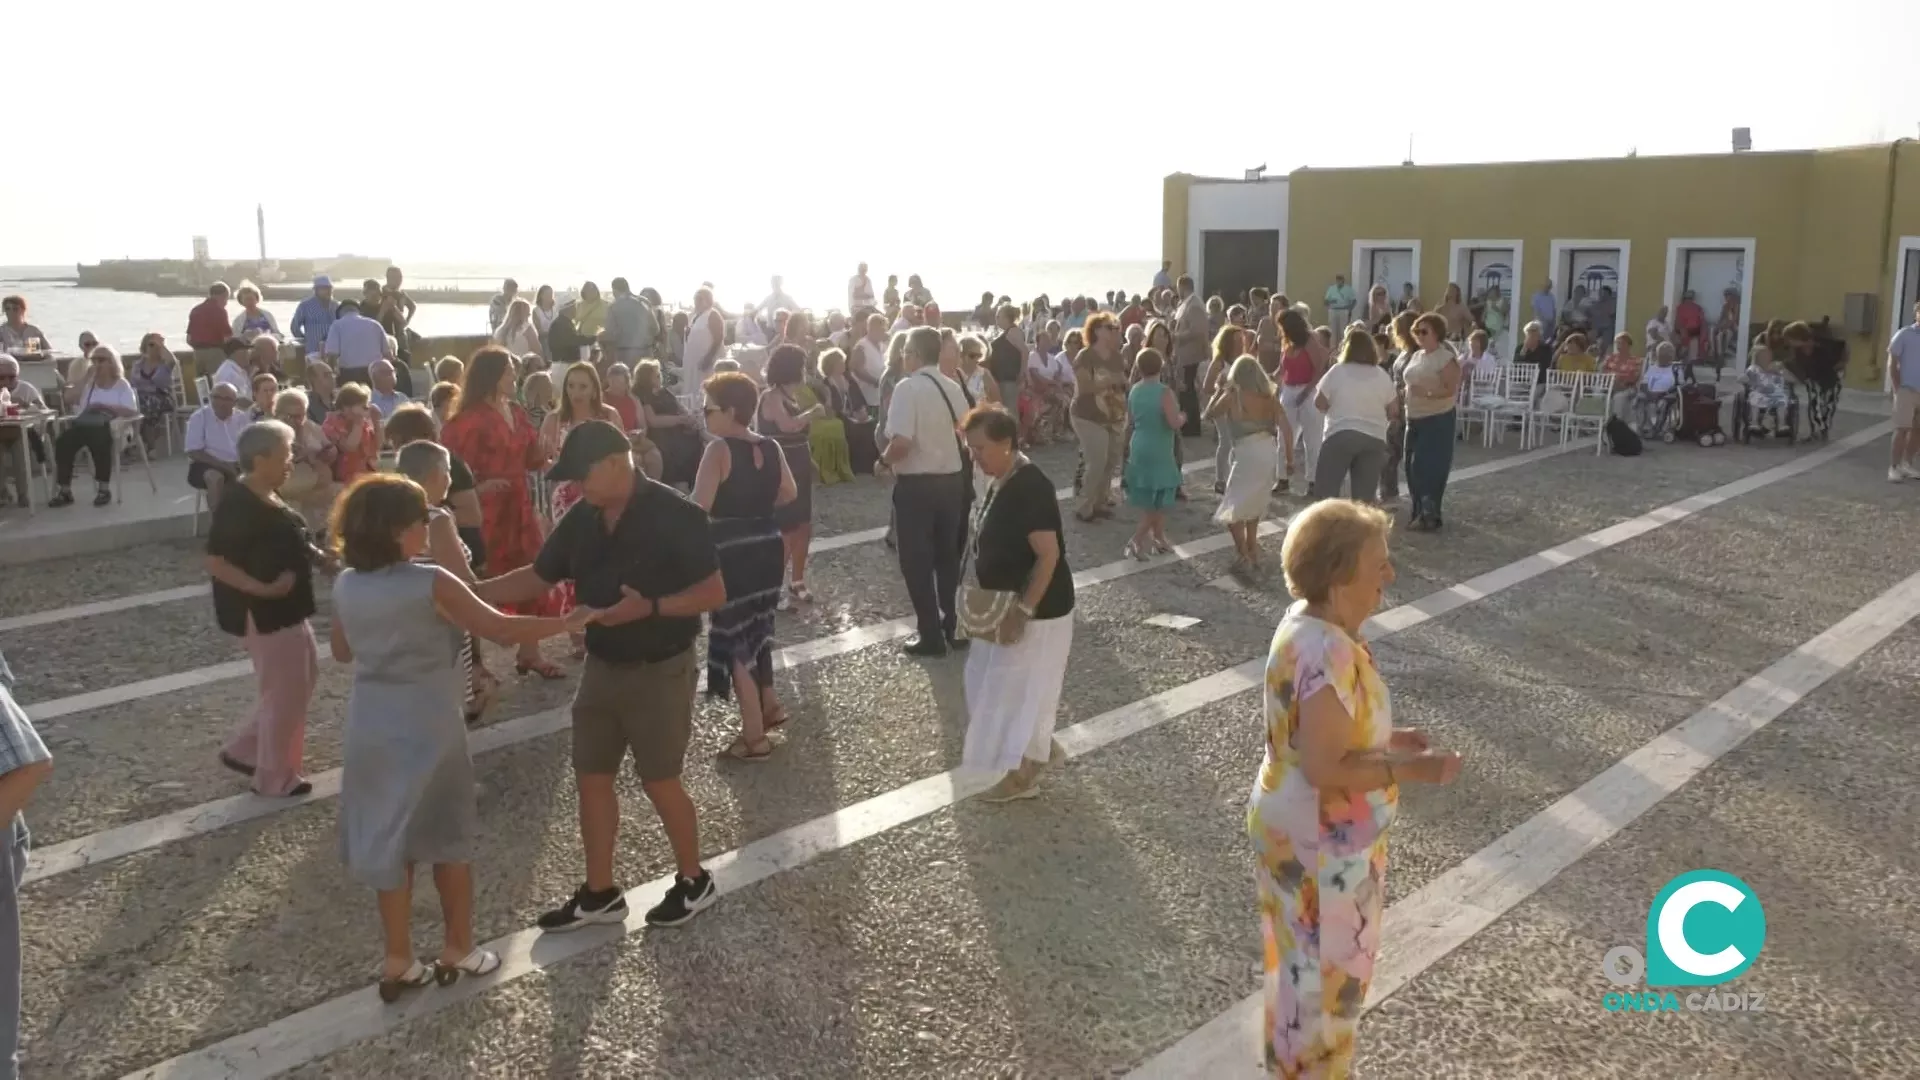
[[930, 490], [776, 300], [385, 397], [15, 390], [869, 363], [860, 293], [1903, 370], [213, 442]]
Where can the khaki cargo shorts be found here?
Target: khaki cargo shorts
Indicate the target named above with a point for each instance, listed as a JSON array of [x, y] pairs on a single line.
[[643, 707], [1906, 408]]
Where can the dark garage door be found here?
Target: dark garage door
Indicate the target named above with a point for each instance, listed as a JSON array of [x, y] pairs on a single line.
[[1235, 261]]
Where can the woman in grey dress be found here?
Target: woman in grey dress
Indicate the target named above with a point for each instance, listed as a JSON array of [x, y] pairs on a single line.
[[407, 787]]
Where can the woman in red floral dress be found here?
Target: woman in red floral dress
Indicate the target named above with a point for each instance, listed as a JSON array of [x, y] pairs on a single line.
[[499, 443]]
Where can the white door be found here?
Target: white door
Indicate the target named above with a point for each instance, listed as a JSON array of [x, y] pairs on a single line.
[[1392, 267]]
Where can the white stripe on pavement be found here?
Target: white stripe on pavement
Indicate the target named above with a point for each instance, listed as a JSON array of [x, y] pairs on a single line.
[[821, 544], [312, 1033], [123, 840], [54, 708], [1450, 910]]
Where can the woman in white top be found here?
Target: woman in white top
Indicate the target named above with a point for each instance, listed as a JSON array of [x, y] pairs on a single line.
[[104, 397], [518, 332], [868, 365], [252, 320], [1358, 398]]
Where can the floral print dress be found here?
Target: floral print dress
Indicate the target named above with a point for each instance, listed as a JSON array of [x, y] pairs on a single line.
[[1323, 854]]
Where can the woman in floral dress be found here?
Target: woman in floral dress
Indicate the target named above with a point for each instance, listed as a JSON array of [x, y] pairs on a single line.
[[1328, 790], [500, 444], [580, 400]]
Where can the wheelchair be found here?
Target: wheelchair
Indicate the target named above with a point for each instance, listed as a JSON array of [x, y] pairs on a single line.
[[1745, 423]]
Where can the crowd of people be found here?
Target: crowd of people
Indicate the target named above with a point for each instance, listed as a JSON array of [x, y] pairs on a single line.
[[634, 485]]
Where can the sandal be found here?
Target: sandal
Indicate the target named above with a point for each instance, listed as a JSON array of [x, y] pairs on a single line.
[[801, 592], [417, 976], [546, 669], [742, 750], [478, 963], [235, 764], [772, 720]]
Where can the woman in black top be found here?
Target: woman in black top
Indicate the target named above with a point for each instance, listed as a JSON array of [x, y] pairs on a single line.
[[1534, 349], [1020, 615], [667, 424], [743, 477], [1007, 363], [261, 561]]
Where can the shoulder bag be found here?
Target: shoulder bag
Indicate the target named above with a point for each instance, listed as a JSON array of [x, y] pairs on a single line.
[[983, 612]]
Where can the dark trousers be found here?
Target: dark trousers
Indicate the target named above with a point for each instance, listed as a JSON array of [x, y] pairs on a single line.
[[98, 441], [1396, 449], [930, 513], [1429, 460]]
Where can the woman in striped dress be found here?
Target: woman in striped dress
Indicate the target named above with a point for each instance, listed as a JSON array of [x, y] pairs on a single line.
[[788, 420], [744, 476]]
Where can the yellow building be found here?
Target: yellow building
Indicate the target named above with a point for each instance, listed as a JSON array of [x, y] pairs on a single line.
[[1787, 235]]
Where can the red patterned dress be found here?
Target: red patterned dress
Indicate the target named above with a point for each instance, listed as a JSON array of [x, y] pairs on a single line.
[[496, 448]]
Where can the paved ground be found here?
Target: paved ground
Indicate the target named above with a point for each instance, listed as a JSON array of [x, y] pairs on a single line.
[[899, 932]]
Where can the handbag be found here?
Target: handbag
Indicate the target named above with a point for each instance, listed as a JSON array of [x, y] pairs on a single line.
[[983, 612]]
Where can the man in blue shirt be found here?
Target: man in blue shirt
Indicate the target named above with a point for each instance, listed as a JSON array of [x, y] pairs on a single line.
[[1163, 279], [24, 763], [1544, 307], [355, 343], [314, 317]]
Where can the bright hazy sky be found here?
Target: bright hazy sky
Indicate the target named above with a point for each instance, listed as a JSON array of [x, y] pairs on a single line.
[[562, 131]]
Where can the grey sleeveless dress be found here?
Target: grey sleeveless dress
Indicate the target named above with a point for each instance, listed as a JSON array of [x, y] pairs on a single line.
[[406, 786]]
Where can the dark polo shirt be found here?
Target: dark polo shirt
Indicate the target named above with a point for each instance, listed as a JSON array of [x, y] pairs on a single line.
[[661, 545]]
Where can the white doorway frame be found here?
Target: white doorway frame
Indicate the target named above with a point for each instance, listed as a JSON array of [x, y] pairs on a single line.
[[1360, 250], [1901, 312], [1558, 248], [1677, 246], [1457, 248]]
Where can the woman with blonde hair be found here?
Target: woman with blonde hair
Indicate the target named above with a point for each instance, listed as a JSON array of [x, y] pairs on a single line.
[[309, 486], [827, 437], [252, 320], [1454, 311], [1247, 412], [1432, 376], [517, 332], [1328, 790], [103, 397], [1358, 401], [1379, 309], [1228, 345]]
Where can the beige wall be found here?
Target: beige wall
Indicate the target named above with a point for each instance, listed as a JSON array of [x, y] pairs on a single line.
[[1173, 221], [1822, 222]]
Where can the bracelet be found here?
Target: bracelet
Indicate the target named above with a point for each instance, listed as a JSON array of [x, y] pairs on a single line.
[[1025, 608]]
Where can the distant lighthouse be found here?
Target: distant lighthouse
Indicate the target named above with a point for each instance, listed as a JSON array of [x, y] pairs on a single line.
[[260, 219]]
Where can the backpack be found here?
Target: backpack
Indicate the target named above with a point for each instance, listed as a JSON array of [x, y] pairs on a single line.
[[1625, 441]]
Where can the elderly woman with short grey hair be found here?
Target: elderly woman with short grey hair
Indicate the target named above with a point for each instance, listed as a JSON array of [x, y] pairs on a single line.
[[261, 560]]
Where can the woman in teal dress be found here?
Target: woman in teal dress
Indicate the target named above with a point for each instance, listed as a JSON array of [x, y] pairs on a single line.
[[1152, 474]]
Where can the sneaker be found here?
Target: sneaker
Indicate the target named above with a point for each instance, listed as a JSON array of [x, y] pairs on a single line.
[[1907, 470], [103, 497], [63, 497], [688, 897], [585, 908], [1897, 474]]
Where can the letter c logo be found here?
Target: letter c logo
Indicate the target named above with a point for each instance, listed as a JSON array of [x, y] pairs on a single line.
[[1704, 928]]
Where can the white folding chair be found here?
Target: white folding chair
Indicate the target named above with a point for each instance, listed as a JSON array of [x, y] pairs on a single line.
[[179, 415], [1592, 405], [126, 431], [1552, 405], [1480, 393], [1516, 400]]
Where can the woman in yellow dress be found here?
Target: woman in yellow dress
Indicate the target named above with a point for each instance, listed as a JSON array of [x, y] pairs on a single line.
[[1328, 790], [827, 438]]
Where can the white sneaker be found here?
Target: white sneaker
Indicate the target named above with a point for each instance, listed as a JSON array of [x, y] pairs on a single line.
[[1897, 473], [1907, 470]]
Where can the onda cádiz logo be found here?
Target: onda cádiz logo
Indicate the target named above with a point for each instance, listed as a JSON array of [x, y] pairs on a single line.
[[1705, 928]]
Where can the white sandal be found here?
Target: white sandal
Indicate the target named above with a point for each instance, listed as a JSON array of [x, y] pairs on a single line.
[[477, 963]]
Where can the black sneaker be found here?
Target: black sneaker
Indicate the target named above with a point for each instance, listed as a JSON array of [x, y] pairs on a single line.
[[688, 897], [63, 497], [586, 908], [103, 497]]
